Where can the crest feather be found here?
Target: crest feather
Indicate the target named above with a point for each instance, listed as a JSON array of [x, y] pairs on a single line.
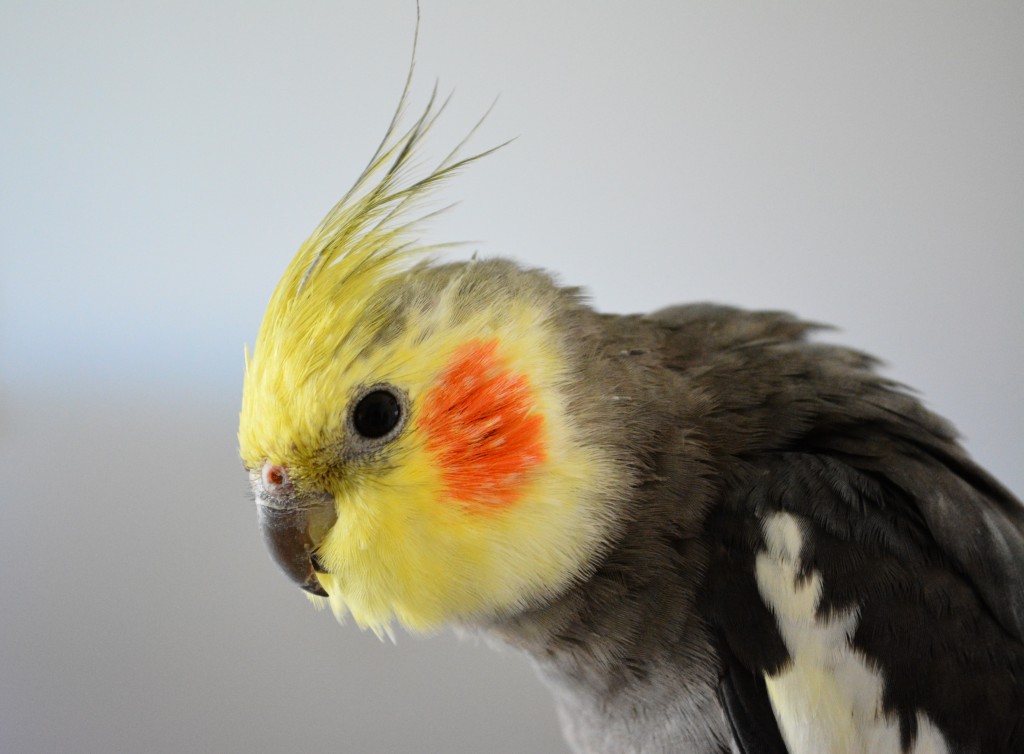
[[325, 295], [368, 233]]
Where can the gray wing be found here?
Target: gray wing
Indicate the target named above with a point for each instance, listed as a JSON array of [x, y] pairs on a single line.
[[920, 546]]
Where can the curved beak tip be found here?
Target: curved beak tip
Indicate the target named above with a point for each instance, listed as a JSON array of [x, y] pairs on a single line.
[[313, 586], [286, 535]]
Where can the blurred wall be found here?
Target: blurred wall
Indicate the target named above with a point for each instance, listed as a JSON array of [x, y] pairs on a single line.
[[858, 163]]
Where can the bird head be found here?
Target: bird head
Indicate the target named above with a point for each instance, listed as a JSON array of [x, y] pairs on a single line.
[[417, 437]]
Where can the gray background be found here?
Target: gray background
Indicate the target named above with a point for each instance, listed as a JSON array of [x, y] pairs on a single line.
[[860, 163]]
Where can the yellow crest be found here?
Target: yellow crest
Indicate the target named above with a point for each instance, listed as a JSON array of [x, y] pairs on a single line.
[[323, 302]]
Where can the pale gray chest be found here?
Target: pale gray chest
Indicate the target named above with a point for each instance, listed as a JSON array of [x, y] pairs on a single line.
[[664, 713]]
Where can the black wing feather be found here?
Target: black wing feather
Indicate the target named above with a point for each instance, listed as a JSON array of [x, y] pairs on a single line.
[[748, 709], [940, 645]]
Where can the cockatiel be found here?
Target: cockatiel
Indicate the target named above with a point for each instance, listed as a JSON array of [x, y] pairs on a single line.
[[710, 533]]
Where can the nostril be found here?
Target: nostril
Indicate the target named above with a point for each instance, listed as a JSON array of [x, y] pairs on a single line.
[[275, 479]]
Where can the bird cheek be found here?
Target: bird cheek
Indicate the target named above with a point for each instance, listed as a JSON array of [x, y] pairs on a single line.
[[481, 426]]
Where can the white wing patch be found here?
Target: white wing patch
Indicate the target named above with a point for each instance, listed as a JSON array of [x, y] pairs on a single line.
[[828, 699]]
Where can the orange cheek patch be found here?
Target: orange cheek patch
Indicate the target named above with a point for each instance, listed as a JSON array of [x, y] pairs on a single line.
[[481, 425]]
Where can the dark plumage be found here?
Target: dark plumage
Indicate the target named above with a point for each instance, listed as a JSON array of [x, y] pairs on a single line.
[[739, 416]]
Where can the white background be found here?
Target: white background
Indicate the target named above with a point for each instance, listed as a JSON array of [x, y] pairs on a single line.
[[859, 163]]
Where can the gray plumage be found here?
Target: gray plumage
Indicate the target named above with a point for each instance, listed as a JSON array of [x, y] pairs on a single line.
[[729, 417]]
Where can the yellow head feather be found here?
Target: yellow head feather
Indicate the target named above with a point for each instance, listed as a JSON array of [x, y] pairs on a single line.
[[411, 539], [322, 302]]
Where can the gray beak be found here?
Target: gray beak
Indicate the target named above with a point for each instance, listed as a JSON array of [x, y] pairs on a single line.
[[293, 524], [287, 533]]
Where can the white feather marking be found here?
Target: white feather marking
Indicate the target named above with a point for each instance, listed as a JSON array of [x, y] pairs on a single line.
[[828, 699]]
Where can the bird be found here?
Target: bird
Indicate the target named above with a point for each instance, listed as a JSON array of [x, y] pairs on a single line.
[[709, 530]]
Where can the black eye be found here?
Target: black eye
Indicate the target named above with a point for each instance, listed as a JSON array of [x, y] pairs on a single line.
[[376, 414]]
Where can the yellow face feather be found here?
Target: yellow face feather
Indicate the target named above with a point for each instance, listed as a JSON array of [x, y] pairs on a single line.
[[490, 497]]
